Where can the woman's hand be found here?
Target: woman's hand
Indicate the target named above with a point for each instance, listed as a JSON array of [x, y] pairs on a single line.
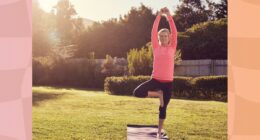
[[161, 12], [164, 11]]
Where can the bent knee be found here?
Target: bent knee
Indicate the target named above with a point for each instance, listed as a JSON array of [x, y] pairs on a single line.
[[139, 93]]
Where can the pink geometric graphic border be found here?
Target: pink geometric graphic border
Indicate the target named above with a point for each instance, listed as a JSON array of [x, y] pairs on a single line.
[[15, 70]]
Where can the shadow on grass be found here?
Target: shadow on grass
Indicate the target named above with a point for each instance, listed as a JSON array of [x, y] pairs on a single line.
[[41, 97], [72, 88], [181, 98], [197, 99]]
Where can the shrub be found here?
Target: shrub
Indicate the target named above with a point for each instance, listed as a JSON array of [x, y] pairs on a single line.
[[207, 40], [58, 71], [182, 87], [126, 84], [140, 62], [110, 67], [123, 85], [204, 87], [41, 70], [210, 87]]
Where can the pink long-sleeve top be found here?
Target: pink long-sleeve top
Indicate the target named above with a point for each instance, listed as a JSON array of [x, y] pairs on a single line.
[[163, 56]]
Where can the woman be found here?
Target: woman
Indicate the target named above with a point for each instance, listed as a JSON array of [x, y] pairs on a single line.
[[160, 84]]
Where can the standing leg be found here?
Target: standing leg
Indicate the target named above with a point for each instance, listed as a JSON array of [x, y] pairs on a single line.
[[167, 91]]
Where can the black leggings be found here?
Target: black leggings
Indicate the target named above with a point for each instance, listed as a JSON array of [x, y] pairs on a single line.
[[155, 85]]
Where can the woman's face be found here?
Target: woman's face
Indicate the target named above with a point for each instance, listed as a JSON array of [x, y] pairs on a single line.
[[164, 38]]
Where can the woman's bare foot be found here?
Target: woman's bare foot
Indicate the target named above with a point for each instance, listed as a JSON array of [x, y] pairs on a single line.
[[158, 94]]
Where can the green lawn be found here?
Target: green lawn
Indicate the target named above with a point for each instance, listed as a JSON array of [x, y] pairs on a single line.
[[64, 113]]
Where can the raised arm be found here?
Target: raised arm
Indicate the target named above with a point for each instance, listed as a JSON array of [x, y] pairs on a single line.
[[173, 37], [154, 33]]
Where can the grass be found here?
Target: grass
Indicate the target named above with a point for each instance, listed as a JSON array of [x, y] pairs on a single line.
[[77, 114]]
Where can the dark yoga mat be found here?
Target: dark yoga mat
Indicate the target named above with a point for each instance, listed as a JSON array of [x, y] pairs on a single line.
[[142, 132]]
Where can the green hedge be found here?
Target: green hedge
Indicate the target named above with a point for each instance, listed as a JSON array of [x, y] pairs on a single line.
[[62, 72], [123, 85], [207, 40], [211, 87], [203, 87], [182, 87]]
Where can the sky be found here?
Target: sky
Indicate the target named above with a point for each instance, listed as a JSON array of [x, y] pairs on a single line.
[[99, 10]]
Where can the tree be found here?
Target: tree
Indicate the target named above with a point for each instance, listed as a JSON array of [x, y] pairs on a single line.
[[67, 24], [42, 25], [219, 9], [117, 37], [188, 13], [138, 24], [206, 40]]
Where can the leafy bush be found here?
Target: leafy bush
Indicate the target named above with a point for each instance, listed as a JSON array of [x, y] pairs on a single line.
[[41, 70], [203, 87], [140, 62], [207, 40], [123, 85], [210, 87], [110, 67], [182, 87], [63, 72]]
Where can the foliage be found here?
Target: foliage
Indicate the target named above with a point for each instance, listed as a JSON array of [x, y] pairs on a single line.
[[206, 40], [203, 87]]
